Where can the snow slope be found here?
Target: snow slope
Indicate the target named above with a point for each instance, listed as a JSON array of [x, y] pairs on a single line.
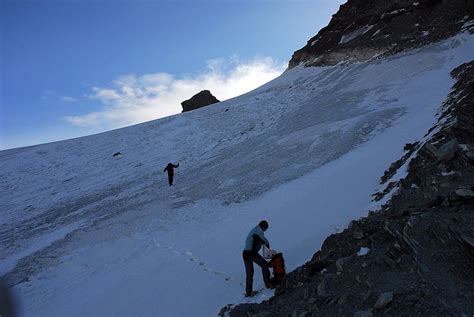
[[84, 232]]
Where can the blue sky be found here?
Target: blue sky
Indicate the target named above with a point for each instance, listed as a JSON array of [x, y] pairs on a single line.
[[70, 68]]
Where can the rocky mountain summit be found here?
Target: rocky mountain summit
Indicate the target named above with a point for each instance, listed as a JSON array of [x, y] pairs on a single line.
[[363, 29], [415, 257], [199, 100]]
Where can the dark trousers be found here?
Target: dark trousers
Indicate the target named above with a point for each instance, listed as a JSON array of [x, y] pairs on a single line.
[[170, 178], [249, 258]]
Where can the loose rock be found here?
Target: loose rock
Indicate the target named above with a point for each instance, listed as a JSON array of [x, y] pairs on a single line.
[[383, 300], [364, 313]]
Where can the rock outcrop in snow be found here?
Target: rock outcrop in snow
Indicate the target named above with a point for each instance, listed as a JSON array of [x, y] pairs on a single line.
[[199, 100], [363, 29]]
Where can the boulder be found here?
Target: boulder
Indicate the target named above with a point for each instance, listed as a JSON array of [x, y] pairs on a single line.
[[470, 155], [464, 193], [447, 151], [383, 300]]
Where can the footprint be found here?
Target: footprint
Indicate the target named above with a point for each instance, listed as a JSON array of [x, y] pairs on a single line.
[[191, 257]]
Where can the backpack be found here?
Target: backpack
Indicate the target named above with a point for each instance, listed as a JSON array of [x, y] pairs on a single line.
[[278, 264]]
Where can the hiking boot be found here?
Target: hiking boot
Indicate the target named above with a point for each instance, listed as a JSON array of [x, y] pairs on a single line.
[[251, 294]]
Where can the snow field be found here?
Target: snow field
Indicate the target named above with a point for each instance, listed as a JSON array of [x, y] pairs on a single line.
[[91, 234]]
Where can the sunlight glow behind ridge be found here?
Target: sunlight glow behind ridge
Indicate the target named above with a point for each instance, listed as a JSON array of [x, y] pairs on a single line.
[[132, 99]]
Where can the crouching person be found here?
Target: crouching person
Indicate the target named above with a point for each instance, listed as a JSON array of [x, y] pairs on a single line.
[[253, 243]]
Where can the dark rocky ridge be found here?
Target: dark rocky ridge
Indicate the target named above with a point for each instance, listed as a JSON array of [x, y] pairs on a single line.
[[380, 27], [199, 100], [421, 258]]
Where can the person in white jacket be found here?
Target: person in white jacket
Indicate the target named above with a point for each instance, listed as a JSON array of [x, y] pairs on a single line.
[[253, 243]]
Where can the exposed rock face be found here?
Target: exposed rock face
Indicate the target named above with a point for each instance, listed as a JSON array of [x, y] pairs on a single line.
[[421, 258], [201, 99], [362, 29]]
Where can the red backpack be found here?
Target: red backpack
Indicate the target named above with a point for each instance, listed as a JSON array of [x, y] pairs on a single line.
[[278, 264]]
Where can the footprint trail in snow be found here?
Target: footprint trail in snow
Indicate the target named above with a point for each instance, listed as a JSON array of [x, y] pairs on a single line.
[[201, 264]]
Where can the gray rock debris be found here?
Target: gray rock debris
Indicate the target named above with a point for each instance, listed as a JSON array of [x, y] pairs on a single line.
[[463, 192], [383, 300], [364, 313]]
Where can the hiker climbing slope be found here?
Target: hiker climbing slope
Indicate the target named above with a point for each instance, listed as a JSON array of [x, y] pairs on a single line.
[[253, 243], [170, 168]]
